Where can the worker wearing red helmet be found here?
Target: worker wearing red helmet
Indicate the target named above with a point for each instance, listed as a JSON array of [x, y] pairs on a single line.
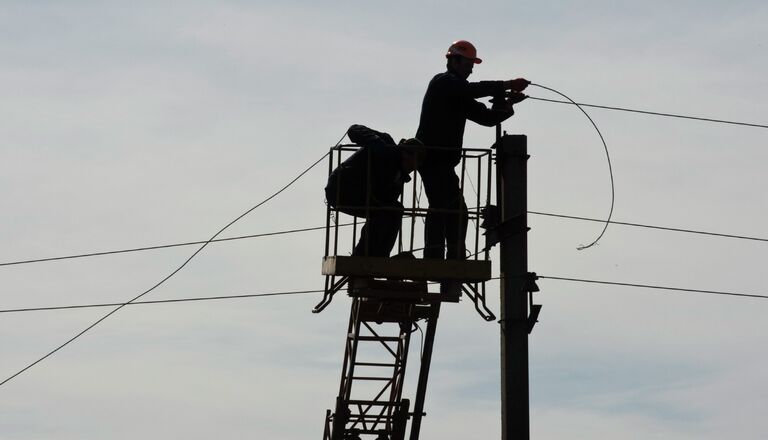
[[448, 102]]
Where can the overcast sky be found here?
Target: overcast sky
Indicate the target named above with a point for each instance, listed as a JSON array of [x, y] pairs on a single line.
[[127, 124]]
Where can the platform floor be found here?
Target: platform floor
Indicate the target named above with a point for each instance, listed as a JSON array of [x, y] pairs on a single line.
[[465, 271]]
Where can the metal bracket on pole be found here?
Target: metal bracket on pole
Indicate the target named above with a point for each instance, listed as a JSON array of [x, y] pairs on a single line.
[[497, 230], [530, 287], [491, 216], [508, 228], [533, 318], [530, 282]]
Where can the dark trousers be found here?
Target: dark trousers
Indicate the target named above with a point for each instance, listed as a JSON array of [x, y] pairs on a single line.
[[443, 193], [378, 235]]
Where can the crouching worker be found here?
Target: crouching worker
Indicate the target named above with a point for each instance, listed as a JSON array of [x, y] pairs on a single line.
[[369, 183]]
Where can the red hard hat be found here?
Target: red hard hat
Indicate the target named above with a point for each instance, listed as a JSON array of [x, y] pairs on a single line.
[[465, 49]]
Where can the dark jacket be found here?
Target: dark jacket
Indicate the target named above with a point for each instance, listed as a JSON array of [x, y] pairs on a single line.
[[385, 168], [448, 103]]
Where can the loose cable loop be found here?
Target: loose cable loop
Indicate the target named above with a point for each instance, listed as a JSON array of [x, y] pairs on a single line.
[[610, 168]]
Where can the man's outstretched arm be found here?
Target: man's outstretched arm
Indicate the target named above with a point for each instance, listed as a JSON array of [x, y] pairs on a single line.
[[482, 89], [479, 113]]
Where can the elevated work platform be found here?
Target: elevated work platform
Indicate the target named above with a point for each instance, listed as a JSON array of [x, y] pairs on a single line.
[[464, 271], [376, 277], [393, 298]]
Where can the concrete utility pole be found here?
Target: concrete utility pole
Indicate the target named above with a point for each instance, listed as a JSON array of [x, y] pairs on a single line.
[[516, 283]]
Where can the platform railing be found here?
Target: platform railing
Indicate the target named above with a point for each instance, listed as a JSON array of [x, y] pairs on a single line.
[[475, 168]]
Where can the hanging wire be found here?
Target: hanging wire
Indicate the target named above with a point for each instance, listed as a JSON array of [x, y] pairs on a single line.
[[468, 175], [136, 298], [610, 168]]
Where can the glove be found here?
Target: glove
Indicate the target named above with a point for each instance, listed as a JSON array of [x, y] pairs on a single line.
[[515, 97], [516, 85]]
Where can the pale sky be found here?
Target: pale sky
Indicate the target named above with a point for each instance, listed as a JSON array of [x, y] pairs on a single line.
[[144, 123]]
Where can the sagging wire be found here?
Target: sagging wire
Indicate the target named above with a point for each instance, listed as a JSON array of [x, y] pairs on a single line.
[[471, 183], [169, 276], [607, 156], [467, 174]]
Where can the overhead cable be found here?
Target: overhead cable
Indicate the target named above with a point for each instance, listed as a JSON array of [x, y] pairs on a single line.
[[303, 292], [645, 112], [661, 228], [160, 301], [610, 168], [163, 246], [649, 286], [174, 272], [317, 228]]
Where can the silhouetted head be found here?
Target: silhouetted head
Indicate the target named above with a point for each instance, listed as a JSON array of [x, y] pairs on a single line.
[[462, 57]]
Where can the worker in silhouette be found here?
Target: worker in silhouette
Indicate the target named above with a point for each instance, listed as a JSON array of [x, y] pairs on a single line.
[[448, 102], [368, 185]]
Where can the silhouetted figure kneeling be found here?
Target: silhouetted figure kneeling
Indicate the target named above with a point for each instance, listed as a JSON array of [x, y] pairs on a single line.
[[369, 183]]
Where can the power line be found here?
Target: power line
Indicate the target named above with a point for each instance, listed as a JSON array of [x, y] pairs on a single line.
[[163, 246], [303, 292], [160, 301], [661, 228], [649, 286], [670, 115], [645, 226], [317, 228], [174, 272]]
